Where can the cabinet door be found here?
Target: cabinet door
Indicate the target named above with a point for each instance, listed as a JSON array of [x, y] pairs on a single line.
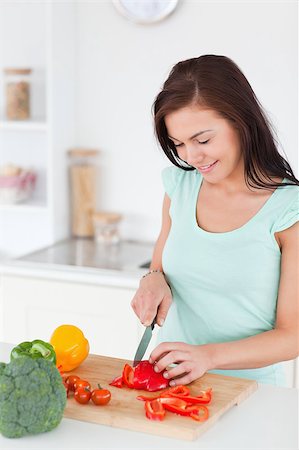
[[33, 308]]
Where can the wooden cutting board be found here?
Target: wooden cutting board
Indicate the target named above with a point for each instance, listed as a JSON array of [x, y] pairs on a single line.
[[124, 411]]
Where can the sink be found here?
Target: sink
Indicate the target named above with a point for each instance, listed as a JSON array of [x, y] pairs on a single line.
[[145, 265]]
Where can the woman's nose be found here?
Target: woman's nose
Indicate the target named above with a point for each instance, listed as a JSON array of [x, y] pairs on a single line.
[[193, 154]]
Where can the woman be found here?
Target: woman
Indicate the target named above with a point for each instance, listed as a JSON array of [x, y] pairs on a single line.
[[224, 270]]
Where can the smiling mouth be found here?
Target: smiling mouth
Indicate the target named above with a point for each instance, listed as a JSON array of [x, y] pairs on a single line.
[[207, 166]]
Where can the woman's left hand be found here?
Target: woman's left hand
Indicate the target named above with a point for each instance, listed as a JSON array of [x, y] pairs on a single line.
[[192, 361]]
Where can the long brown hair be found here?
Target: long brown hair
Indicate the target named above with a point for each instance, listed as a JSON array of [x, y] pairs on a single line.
[[217, 83]]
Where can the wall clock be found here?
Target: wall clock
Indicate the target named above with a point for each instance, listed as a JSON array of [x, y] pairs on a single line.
[[145, 11]]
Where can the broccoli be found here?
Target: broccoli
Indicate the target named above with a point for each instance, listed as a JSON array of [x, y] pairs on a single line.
[[32, 397]]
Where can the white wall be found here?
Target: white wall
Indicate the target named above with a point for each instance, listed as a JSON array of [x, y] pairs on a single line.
[[121, 67]]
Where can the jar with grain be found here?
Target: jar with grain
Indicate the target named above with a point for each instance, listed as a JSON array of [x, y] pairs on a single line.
[[83, 190], [17, 87]]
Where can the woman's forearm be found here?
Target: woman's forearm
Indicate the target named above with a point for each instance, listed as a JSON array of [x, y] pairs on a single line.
[[260, 350]]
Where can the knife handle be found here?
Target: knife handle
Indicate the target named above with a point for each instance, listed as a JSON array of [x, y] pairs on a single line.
[[154, 322]]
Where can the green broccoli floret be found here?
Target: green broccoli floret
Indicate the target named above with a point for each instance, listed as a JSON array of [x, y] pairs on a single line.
[[2, 367], [32, 397]]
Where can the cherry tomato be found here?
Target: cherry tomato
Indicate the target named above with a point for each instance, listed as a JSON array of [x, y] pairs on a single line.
[[82, 384], [100, 396], [70, 381], [82, 395]]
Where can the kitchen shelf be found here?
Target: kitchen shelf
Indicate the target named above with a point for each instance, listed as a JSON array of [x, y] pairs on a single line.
[[28, 125], [41, 142]]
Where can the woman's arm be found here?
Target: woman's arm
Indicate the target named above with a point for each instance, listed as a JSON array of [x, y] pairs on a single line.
[[279, 344], [165, 228], [153, 296]]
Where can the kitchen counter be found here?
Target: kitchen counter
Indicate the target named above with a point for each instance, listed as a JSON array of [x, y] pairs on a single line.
[[268, 419], [86, 261]]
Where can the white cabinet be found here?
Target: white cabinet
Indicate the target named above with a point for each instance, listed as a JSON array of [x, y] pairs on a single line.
[[41, 36], [33, 308]]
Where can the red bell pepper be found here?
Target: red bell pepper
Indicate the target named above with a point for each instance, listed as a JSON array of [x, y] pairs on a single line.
[[156, 381], [154, 410], [128, 376], [142, 377], [117, 382], [142, 374]]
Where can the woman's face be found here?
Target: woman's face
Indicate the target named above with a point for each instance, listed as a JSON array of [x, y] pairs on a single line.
[[207, 142]]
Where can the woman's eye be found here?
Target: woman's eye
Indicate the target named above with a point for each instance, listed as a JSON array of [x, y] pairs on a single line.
[[199, 142]]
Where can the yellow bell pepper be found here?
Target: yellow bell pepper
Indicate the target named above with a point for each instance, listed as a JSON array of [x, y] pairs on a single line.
[[70, 345]]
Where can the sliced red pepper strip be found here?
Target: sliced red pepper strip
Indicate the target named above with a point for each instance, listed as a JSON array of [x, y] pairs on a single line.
[[176, 402], [198, 412], [145, 398], [194, 400], [128, 375], [204, 397], [154, 410], [161, 396], [177, 409], [117, 382], [174, 391], [179, 390]]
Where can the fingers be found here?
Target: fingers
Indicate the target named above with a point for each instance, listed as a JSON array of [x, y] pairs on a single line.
[[145, 307], [173, 357], [182, 372], [186, 379], [163, 310], [190, 362], [148, 316], [179, 370], [165, 348]]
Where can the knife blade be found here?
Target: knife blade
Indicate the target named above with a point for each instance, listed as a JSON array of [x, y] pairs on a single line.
[[145, 340]]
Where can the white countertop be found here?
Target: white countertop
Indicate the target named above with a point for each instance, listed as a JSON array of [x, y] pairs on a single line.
[[85, 261], [268, 419]]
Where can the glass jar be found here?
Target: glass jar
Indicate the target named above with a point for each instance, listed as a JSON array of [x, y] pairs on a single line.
[[17, 87], [83, 190], [106, 229]]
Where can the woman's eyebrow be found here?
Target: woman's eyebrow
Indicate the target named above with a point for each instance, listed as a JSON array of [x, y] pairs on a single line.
[[194, 135]]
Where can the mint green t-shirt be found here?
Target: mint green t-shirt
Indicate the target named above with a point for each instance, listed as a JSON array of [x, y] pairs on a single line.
[[224, 285]]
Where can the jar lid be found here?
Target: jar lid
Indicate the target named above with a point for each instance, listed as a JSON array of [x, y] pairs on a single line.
[[16, 71], [106, 217], [82, 152]]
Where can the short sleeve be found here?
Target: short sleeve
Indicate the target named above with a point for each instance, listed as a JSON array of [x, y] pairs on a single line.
[[290, 214], [170, 177]]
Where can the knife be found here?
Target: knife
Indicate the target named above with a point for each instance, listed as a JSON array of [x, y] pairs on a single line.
[[145, 340]]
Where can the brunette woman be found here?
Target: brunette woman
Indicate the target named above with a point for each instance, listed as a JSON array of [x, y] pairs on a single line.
[[223, 280]]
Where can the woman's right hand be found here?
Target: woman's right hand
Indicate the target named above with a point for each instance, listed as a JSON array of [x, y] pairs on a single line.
[[152, 298]]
